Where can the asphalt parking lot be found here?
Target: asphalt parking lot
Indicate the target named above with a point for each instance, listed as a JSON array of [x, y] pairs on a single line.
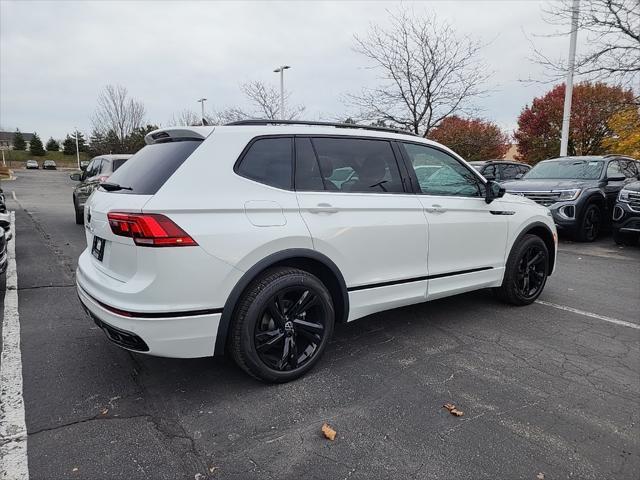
[[545, 389]]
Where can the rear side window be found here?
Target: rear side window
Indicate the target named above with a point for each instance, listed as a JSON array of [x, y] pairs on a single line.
[[268, 161], [357, 165], [152, 166], [116, 164]]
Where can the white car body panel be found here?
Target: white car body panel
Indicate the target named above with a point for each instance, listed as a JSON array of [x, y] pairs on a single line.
[[391, 249]]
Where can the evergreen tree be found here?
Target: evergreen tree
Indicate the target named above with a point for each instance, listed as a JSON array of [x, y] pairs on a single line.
[[135, 140], [18, 141], [82, 143], [35, 147], [69, 146], [52, 145]]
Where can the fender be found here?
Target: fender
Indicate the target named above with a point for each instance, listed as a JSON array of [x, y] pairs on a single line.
[[537, 225], [274, 259]]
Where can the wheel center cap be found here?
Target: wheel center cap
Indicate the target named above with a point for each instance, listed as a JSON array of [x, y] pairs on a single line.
[[288, 327]]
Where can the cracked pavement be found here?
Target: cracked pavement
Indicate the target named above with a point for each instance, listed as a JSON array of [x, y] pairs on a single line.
[[543, 390]]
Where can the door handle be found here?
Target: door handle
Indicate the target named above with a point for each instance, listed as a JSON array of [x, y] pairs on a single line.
[[435, 209], [323, 208]]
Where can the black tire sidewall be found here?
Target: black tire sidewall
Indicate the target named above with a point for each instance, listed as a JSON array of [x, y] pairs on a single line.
[[252, 304], [581, 231], [508, 291]]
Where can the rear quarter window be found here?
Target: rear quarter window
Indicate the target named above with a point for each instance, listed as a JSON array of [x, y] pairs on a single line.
[[151, 167], [268, 161]]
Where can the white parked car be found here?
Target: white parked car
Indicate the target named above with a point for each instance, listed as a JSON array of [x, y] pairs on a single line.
[[235, 238]]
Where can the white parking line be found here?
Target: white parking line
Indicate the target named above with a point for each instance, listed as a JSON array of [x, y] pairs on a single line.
[[13, 430], [589, 314]]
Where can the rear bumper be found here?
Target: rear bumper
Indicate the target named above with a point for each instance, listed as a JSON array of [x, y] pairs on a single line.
[[188, 336]]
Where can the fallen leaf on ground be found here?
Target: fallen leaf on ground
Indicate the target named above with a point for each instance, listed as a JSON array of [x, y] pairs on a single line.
[[328, 432], [540, 476], [453, 410], [104, 411], [75, 469]]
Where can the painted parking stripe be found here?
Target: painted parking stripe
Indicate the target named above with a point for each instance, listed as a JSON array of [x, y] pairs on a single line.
[[589, 314], [13, 430]]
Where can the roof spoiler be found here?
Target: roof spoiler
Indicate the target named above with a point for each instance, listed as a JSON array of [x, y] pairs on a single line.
[[174, 133]]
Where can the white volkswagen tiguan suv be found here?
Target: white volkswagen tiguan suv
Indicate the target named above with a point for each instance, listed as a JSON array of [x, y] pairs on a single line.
[[257, 237]]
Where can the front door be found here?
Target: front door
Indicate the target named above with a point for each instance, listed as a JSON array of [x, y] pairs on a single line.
[[467, 236]]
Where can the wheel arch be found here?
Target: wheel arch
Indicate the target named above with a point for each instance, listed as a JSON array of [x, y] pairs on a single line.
[[309, 260], [544, 232]]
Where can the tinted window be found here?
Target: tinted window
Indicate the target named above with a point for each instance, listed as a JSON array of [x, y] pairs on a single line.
[[509, 171], [449, 177], [308, 177], [268, 161], [94, 167], [116, 164], [569, 169], [490, 171], [629, 168], [524, 169], [152, 166], [357, 165]]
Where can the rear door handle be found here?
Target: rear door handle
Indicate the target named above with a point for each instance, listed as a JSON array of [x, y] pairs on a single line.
[[323, 208], [435, 209]]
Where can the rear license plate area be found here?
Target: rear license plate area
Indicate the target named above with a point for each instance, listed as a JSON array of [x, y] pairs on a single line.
[[97, 250]]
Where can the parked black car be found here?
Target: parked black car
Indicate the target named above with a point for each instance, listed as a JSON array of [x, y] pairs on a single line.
[[99, 169], [49, 165], [579, 191], [500, 170], [626, 215]]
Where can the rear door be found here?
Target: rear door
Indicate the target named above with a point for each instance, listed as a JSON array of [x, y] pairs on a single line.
[[467, 236], [352, 198]]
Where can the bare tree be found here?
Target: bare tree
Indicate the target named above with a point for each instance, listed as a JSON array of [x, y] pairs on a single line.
[[428, 73], [185, 118], [612, 40], [117, 112], [265, 99]]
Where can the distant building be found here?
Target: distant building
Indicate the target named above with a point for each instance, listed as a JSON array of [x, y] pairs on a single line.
[[6, 140]]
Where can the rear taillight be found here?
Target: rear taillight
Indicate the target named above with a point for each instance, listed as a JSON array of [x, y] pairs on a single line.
[[149, 229]]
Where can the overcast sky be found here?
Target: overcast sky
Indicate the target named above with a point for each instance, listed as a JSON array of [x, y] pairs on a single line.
[[56, 56]]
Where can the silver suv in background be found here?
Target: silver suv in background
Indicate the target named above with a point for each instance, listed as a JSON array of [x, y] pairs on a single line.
[[98, 171]]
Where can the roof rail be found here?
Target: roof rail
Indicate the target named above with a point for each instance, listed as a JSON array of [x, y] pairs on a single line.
[[321, 124], [619, 155]]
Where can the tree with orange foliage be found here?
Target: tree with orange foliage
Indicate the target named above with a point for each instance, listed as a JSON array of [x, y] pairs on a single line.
[[625, 126], [593, 104], [472, 138]]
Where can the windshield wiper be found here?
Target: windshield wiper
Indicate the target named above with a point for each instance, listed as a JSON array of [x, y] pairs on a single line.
[[112, 187]]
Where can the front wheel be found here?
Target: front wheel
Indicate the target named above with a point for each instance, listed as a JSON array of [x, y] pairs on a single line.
[[589, 228], [282, 325], [526, 271]]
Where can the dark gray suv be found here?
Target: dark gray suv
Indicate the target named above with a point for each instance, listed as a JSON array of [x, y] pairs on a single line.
[[98, 171], [579, 191]]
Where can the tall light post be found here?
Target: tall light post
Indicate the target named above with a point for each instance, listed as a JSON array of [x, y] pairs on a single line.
[[568, 92], [281, 70], [201, 101], [75, 136]]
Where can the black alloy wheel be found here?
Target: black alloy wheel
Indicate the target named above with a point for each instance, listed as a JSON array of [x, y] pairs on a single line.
[[591, 223], [282, 324], [526, 271]]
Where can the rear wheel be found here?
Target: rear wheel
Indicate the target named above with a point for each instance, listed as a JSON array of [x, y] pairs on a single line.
[[526, 272], [590, 225], [282, 325]]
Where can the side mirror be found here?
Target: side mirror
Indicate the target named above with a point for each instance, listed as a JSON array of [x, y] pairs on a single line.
[[490, 176], [617, 178], [75, 177], [493, 190]]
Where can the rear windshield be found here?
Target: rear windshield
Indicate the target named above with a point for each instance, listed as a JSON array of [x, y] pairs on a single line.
[[116, 164], [151, 167]]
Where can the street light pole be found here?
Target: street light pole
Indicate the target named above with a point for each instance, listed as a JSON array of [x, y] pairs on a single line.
[[568, 92], [77, 148], [201, 101], [281, 70]]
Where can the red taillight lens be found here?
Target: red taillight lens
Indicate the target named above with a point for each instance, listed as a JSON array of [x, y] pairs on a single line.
[[149, 229]]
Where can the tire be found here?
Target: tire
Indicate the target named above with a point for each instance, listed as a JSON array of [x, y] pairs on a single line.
[[79, 213], [516, 287], [265, 341], [625, 238], [590, 224]]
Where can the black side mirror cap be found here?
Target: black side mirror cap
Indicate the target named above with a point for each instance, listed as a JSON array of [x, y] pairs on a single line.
[[493, 190], [75, 177], [618, 178]]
